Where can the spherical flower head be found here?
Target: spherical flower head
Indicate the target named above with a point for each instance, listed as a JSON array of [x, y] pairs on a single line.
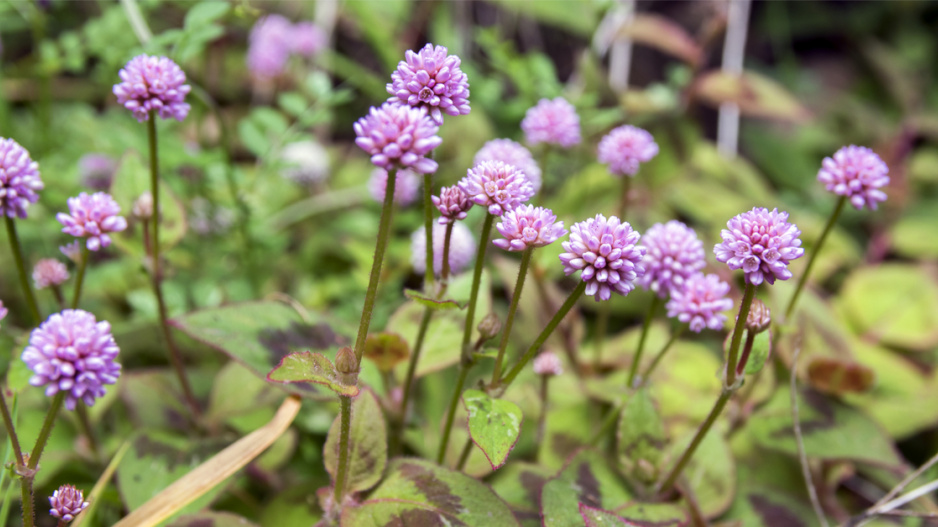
[[72, 251], [269, 45], [607, 254], [673, 254], [499, 186], [305, 162], [398, 136], [92, 217], [74, 353], [553, 122], [431, 79], [406, 186], [547, 363], [761, 243], [528, 226], [512, 153], [96, 171], [625, 147], [49, 272], [453, 203], [307, 39], [66, 503], [462, 248], [700, 302], [19, 179], [857, 173], [153, 84]]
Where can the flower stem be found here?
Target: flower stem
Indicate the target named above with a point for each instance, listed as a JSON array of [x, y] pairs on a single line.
[[451, 412], [602, 326], [85, 424], [476, 278], [542, 417], [655, 302], [464, 455], [512, 310], [428, 227], [738, 334], [654, 364], [46, 430], [814, 253], [59, 298], [747, 349], [29, 513], [444, 276], [384, 228], [608, 422], [174, 357], [542, 338], [414, 357], [344, 431], [80, 279], [624, 202], [11, 428], [21, 268]]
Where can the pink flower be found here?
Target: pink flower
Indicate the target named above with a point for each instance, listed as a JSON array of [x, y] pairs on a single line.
[[547, 363], [431, 79], [498, 186], [307, 39], [269, 45], [49, 272], [398, 136], [72, 251], [761, 243], [19, 179], [856, 172], [3, 311], [66, 503], [528, 226], [462, 248], [674, 254], [553, 122], [92, 217], [700, 302], [406, 186], [607, 254], [153, 84], [625, 147], [511, 153], [453, 203]]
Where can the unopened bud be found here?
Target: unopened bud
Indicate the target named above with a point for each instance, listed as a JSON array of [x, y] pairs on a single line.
[[489, 326], [760, 317], [67, 502], [143, 207], [345, 361]]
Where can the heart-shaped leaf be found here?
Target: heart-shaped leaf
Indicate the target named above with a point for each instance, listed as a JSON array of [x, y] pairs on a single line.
[[494, 425], [368, 444], [310, 367]]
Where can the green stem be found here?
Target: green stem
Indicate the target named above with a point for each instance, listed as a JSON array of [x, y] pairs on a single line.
[[46, 430], [512, 310], [698, 438], [428, 227], [654, 364], [624, 202], [608, 422], [414, 357], [344, 432], [451, 411], [542, 417], [444, 276], [464, 455], [738, 334], [86, 428], [384, 228], [174, 356], [747, 350], [29, 512], [80, 279], [11, 428], [21, 268], [542, 338], [476, 278], [814, 252], [655, 302]]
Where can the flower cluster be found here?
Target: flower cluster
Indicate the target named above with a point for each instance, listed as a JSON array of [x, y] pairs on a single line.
[[273, 39], [398, 136], [49, 272], [547, 363], [431, 79], [153, 85], [496, 185], [406, 186], [67, 502], [93, 217], [624, 148], [462, 248], [74, 353], [700, 302], [453, 204], [528, 226], [673, 254], [761, 243], [19, 179], [857, 173], [607, 254], [553, 122], [511, 153]]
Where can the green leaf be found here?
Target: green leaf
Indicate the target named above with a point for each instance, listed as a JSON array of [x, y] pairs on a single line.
[[587, 479], [593, 517], [418, 492], [204, 13], [711, 473], [131, 181], [641, 437], [432, 303], [657, 514], [310, 367], [520, 484], [293, 103], [260, 334], [494, 425], [761, 346], [253, 138], [368, 444]]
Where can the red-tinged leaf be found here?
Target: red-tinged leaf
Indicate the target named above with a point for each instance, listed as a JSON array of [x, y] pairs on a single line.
[[755, 94], [368, 445], [313, 368], [838, 376], [593, 517], [662, 34]]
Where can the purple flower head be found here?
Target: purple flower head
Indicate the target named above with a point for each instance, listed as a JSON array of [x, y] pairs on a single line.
[[307, 39], [49, 272], [92, 217], [856, 172], [496, 185], [431, 79], [269, 45], [66, 503], [607, 253], [398, 136], [673, 254], [547, 363], [3, 311], [528, 226], [406, 186], [761, 243], [153, 84], [625, 147], [552, 121], [462, 248], [19, 179], [512, 153], [72, 251], [96, 171], [74, 353], [700, 302], [453, 203]]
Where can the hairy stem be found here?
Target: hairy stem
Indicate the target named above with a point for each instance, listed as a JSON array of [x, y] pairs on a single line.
[[444, 276], [738, 333], [80, 279], [428, 227], [10, 428], [476, 278], [655, 302], [512, 310], [21, 268], [814, 252], [29, 510], [344, 431]]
